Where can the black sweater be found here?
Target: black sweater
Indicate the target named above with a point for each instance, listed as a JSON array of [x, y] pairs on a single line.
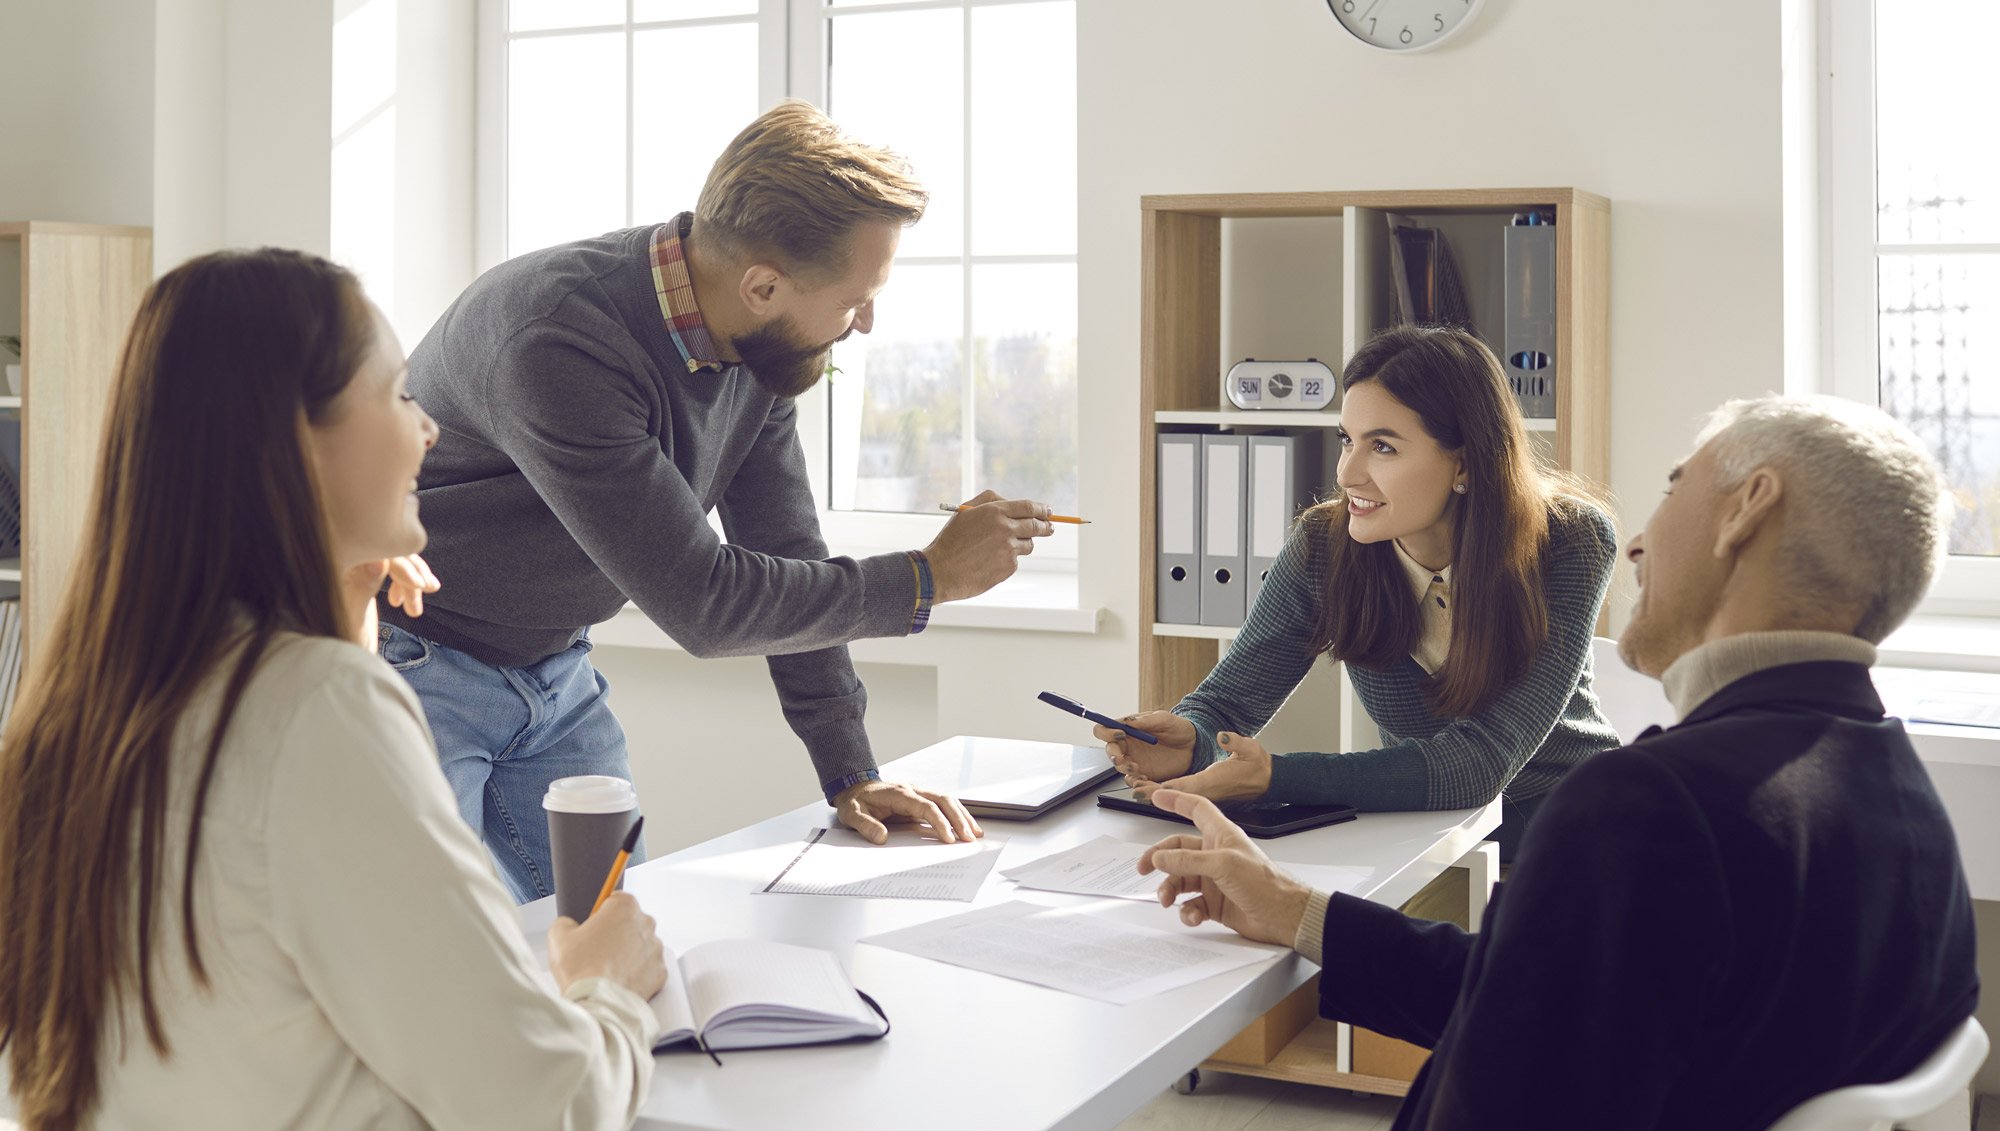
[[1702, 929]]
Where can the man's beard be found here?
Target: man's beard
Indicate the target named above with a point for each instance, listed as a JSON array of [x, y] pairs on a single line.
[[778, 361]]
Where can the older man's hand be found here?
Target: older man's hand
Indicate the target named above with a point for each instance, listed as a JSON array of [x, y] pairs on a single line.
[[1234, 882]]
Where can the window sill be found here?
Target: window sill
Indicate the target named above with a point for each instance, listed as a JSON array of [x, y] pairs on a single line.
[[1043, 600], [1950, 643]]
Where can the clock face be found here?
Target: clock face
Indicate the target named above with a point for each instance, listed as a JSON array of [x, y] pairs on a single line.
[[1404, 25]]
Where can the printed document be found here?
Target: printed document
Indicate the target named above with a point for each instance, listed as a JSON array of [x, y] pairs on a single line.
[[1105, 866], [1108, 866], [1073, 950], [912, 865]]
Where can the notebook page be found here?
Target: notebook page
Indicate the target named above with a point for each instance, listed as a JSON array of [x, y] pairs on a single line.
[[776, 977], [670, 1007]]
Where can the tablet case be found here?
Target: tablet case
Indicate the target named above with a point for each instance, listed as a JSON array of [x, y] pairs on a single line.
[[1265, 820]]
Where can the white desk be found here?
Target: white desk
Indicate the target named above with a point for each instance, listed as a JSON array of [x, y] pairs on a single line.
[[971, 1050]]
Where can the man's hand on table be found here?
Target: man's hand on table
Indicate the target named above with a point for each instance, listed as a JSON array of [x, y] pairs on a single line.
[[1235, 883], [868, 807]]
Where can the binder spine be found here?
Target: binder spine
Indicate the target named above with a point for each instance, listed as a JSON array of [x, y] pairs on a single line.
[[1282, 473], [1177, 572], [1223, 532], [1528, 331]]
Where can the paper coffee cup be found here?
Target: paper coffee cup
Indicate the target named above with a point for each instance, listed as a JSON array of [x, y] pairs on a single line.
[[588, 819]]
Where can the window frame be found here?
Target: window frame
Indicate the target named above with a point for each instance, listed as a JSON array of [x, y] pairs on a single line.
[[792, 62], [1966, 585], [883, 530], [490, 105]]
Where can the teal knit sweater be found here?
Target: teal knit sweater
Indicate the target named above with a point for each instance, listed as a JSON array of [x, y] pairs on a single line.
[[1520, 744]]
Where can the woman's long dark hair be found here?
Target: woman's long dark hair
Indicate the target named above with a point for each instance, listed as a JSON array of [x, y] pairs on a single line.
[[205, 534], [1500, 617]]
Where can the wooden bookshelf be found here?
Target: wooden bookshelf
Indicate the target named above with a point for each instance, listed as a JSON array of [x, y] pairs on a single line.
[[1182, 284], [69, 292]]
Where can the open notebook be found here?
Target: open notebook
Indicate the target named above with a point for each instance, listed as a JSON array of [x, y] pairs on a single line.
[[751, 994]]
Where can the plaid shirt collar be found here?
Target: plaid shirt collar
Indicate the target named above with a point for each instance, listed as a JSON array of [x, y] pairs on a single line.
[[676, 293]]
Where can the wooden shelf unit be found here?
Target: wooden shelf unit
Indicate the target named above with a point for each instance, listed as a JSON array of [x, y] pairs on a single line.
[[69, 291], [1180, 343], [1180, 379]]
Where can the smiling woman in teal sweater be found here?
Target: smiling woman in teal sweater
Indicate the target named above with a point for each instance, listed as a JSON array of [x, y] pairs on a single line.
[[1458, 579]]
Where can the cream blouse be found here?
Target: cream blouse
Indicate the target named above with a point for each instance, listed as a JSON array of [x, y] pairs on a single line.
[[367, 969], [1433, 588]]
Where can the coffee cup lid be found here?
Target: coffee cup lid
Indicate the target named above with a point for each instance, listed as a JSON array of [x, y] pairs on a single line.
[[590, 793]]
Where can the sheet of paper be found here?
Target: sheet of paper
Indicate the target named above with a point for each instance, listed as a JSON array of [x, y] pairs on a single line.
[[1073, 950], [1951, 698], [1105, 866], [910, 866], [1108, 866]]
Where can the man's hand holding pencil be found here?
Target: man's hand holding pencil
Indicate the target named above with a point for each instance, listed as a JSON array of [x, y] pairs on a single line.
[[982, 543]]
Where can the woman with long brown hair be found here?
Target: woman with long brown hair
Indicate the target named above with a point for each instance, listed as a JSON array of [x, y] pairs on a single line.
[[238, 891], [1458, 579]]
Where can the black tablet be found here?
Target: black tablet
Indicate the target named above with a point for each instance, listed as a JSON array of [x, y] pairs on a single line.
[[1261, 819]]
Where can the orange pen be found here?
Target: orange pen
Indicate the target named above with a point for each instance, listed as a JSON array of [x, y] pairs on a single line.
[[618, 865], [1069, 518]]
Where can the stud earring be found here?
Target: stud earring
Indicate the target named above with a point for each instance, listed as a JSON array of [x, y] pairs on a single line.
[[1459, 487]]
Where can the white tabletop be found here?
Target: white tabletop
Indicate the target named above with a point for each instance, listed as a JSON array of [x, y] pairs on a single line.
[[972, 1050]]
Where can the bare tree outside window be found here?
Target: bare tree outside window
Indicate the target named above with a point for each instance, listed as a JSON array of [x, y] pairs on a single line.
[[1937, 246], [968, 380]]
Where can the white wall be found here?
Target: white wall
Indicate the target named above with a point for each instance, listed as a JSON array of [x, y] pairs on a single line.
[[401, 210], [243, 114], [242, 100], [76, 129]]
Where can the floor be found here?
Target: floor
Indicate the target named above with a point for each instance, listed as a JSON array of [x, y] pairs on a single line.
[[1244, 1103]]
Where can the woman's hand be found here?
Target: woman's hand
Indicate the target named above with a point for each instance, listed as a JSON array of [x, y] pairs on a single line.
[[1244, 772], [1143, 761], [616, 942], [409, 579]]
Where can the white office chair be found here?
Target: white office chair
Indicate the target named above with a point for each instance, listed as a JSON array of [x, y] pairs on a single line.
[[1631, 701], [1937, 1087]]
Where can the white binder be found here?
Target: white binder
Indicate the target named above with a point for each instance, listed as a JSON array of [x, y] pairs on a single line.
[[1282, 471], [1177, 580], [1222, 530]]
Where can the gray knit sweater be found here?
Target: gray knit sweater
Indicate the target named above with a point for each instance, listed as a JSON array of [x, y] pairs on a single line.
[[1520, 744], [576, 463]]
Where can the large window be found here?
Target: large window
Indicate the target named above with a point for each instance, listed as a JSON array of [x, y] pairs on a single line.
[[604, 113], [614, 109], [969, 380], [1914, 245]]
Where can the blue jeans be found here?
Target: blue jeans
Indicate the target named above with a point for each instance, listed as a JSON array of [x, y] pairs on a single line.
[[504, 734]]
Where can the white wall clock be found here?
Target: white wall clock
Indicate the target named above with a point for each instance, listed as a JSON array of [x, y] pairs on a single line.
[[1404, 26]]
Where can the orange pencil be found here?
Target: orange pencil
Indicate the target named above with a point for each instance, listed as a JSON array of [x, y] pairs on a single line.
[[618, 865], [1069, 518]]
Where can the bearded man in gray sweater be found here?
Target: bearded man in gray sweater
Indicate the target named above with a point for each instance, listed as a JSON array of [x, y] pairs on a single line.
[[595, 401]]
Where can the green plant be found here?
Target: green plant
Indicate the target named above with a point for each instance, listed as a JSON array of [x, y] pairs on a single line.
[[12, 344]]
